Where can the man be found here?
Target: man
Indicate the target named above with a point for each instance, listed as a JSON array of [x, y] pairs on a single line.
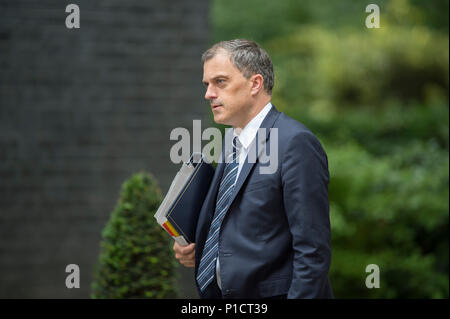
[[259, 235]]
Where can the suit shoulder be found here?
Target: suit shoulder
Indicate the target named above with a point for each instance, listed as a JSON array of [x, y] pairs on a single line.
[[289, 127], [292, 133]]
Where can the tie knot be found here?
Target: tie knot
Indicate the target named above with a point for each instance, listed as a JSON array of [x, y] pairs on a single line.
[[236, 144], [236, 148]]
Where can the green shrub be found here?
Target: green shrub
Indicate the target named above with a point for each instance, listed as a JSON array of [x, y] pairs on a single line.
[[391, 211], [136, 259], [381, 131]]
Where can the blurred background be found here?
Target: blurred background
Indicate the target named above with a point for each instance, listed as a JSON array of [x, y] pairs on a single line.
[[82, 110]]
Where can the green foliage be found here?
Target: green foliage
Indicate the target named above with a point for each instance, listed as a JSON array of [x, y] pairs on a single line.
[[391, 211], [136, 260], [348, 68], [378, 101]]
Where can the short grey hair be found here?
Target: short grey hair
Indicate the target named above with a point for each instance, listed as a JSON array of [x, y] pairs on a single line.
[[248, 57]]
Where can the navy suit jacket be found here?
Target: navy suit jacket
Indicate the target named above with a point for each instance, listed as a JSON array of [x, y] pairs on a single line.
[[275, 236]]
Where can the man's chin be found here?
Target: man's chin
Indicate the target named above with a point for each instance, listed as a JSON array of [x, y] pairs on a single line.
[[219, 120]]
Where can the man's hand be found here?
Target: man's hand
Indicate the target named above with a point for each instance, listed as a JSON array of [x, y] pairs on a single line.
[[185, 254]]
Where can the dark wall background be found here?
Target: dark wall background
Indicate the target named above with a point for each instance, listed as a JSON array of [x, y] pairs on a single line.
[[80, 111]]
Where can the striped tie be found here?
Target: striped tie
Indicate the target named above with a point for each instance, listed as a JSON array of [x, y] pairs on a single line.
[[207, 265]]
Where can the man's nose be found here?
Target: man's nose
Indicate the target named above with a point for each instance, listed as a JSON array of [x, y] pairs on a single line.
[[210, 93]]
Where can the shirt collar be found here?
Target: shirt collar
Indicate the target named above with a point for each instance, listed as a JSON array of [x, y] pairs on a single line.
[[249, 132]]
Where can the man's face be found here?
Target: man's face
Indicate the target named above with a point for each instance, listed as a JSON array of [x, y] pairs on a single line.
[[227, 90]]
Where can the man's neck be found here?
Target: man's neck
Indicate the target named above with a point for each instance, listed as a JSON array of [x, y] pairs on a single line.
[[257, 107]]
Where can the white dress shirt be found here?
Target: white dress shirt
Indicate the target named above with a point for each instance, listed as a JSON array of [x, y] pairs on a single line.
[[245, 137]]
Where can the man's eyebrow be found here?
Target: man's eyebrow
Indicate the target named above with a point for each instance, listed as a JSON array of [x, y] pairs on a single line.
[[220, 76]]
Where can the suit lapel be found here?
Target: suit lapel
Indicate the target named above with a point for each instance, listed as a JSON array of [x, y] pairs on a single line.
[[247, 166]]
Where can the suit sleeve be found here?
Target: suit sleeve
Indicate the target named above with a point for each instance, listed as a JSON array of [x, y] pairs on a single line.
[[305, 178]]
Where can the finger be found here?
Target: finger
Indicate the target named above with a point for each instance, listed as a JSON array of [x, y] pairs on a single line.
[[187, 257], [191, 255], [179, 257], [187, 249], [184, 258], [182, 249]]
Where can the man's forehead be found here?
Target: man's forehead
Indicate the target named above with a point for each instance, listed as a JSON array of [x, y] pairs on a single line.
[[218, 60], [219, 65]]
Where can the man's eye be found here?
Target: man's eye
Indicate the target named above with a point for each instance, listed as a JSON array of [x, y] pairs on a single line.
[[220, 81]]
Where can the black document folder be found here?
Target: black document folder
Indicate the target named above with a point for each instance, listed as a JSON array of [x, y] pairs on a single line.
[[185, 201]]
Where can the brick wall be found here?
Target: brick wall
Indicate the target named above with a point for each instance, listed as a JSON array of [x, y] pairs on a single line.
[[80, 111]]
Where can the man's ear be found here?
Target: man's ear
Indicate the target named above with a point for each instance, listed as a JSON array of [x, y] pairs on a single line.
[[257, 82]]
